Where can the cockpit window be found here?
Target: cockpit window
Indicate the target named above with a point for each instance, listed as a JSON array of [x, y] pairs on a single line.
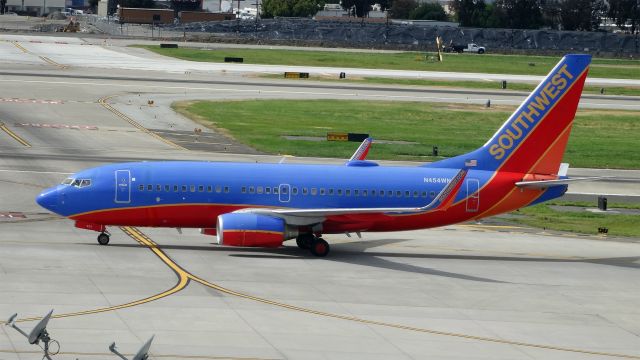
[[80, 183]]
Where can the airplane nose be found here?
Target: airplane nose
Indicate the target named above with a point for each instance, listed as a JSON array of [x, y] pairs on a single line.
[[48, 199]]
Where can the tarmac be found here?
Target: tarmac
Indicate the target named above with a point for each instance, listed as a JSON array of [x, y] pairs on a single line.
[[470, 291]]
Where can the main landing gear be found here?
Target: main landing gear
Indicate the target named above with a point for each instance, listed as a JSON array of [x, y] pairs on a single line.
[[316, 245], [103, 238]]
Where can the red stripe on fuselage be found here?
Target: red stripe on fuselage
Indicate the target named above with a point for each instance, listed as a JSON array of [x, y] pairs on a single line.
[[175, 215]]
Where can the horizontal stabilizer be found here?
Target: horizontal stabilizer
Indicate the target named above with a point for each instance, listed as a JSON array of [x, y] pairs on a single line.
[[543, 184]]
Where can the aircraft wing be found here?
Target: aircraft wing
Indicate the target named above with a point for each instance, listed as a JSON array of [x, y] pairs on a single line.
[[440, 203], [542, 184]]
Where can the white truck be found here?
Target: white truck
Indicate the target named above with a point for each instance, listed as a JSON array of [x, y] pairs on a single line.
[[470, 48]]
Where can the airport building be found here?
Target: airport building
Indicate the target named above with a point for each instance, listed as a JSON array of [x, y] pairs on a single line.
[[37, 7]]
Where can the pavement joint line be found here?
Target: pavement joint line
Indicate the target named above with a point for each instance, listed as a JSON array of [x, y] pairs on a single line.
[[15, 136], [184, 278], [145, 240], [183, 281], [153, 355], [103, 101]]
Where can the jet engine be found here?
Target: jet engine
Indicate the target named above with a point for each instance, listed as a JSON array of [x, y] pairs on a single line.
[[245, 229]]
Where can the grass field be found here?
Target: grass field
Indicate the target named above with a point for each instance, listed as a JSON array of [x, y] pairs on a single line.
[[551, 216], [493, 64], [600, 139]]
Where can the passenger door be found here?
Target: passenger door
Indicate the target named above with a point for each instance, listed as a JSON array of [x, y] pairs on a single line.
[[123, 186]]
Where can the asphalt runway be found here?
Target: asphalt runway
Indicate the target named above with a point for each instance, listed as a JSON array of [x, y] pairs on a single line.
[[474, 291]]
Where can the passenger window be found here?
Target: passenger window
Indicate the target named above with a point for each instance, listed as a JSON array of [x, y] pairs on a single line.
[[201, 188], [364, 192], [356, 192], [398, 193], [149, 187], [184, 188], [339, 192], [175, 188], [373, 193], [432, 194], [347, 192], [314, 191], [244, 190], [259, 189], [192, 188], [415, 194], [141, 187], [167, 188], [390, 193], [158, 187], [331, 191], [322, 191], [209, 188], [251, 190], [305, 191], [424, 194], [267, 190], [226, 189], [218, 188], [275, 190], [294, 191]]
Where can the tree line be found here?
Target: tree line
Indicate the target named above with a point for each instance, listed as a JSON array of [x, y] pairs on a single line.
[[586, 15]]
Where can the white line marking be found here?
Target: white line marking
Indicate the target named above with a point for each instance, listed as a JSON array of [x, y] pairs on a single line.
[[35, 172]]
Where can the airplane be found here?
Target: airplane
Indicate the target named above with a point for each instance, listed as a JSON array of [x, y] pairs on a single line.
[[263, 205]]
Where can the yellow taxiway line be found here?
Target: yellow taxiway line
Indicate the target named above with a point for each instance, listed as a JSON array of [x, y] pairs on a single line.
[[15, 136], [106, 105], [43, 58]]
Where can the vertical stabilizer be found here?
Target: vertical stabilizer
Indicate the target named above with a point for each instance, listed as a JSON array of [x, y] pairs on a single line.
[[535, 136]]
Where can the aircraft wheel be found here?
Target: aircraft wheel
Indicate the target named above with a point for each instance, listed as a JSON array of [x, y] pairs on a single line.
[[103, 239], [319, 247], [304, 241]]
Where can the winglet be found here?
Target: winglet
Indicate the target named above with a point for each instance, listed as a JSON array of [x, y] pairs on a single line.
[[445, 198], [363, 150]]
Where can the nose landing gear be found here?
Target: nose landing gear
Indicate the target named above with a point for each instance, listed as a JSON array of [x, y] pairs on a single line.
[[103, 238]]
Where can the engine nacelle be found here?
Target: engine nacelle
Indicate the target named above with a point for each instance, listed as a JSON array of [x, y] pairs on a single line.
[[239, 229]]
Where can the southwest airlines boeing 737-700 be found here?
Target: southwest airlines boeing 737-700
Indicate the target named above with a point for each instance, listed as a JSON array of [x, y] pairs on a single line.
[[263, 205]]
